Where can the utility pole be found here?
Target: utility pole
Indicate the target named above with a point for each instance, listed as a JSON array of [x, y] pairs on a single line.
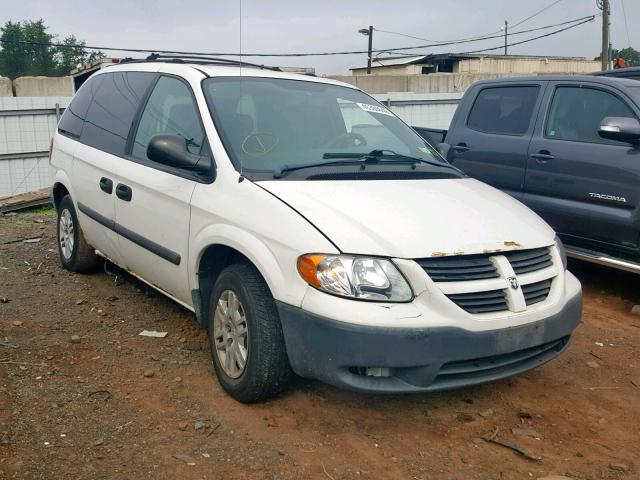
[[370, 48], [369, 33], [606, 46], [506, 26]]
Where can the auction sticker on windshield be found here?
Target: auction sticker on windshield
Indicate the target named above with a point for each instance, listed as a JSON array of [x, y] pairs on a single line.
[[374, 109]]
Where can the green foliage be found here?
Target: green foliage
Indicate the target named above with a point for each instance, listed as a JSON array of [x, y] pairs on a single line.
[[630, 54], [12, 57], [46, 210], [24, 51]]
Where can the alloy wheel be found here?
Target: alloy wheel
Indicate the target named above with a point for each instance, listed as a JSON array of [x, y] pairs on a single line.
[[65, 234], [231, 334]]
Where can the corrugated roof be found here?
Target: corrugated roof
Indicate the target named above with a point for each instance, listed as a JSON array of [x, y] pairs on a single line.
[[390, 61], [407, 60]]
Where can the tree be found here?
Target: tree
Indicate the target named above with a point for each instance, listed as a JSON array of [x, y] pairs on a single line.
[[26, 49], [71, 53], [12, 55], [630, 54], [39, 56]]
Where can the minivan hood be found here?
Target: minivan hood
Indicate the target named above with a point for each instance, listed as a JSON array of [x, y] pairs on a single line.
[[414, 218]]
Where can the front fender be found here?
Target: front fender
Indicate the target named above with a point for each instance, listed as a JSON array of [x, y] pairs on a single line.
[[275, 261], [60, 177]]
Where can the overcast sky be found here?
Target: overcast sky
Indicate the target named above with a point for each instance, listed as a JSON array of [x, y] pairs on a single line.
[[322, 25]]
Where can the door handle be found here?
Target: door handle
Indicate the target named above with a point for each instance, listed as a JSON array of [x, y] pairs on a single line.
[[106, 185], [461, 148], [124, 192], [542, 156]]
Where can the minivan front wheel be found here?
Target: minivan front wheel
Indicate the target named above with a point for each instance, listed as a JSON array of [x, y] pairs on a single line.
[[75, 254], [231, 334], [245, 336]]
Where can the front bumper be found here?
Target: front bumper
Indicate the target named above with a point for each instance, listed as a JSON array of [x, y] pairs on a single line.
[[420, 359]]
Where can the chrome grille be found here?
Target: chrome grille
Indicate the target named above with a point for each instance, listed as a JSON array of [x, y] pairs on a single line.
[[480, 302], [470, 268], [524, 261], [459, 268], [536, 292]]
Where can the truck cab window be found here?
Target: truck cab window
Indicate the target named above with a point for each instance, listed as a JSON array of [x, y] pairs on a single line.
[[576, 113], [503, 110]]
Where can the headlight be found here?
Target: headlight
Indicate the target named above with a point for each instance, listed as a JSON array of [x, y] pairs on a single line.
[[562, 252], [364, 278]]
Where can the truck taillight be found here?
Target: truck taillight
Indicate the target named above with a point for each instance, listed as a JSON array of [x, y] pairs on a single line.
[[50, 148]]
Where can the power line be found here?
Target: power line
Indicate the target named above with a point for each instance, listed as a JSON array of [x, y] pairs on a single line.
[[555, 32], [537, 13], [626, 24], [408, 36], [478, 37], [583, 21], [306, 54], [474, 39]]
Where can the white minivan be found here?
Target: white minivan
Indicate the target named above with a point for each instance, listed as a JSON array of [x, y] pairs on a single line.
[[308, 228]]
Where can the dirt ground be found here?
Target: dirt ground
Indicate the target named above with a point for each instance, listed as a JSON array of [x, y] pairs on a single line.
[[115, 405]]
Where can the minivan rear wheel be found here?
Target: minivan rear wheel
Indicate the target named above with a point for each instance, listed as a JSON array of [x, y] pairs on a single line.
[[75, 254], [245, 336]]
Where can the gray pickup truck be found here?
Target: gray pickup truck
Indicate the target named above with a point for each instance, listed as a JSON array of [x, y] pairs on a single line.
[[566, 146]]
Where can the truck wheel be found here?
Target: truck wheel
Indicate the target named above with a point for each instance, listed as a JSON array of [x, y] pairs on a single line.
[[245, 336], [75, 254]]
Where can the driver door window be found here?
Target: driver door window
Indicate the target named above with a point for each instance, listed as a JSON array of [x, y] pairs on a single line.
[[576, 114], [170, 109]]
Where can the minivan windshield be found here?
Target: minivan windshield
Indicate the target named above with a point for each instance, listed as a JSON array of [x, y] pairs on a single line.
[[271, 125]]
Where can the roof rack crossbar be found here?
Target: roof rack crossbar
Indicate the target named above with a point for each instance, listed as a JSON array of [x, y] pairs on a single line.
[[198, 59]]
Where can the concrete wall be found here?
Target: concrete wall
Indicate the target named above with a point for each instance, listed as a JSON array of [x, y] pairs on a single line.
[[6, 89], [492, 65], [433, 83], [43, 86], [525, 66], [390, 70]]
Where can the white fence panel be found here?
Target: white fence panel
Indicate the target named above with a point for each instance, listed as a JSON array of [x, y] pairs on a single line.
[[433, 110], [26, 127]]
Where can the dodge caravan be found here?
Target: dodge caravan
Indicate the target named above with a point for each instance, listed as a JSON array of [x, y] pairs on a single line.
[[308, 228]]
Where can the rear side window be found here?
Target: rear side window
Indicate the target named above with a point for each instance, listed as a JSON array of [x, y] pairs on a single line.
[[73, 117], [503, 110], [170, 109], [116, 99], [576, 113]]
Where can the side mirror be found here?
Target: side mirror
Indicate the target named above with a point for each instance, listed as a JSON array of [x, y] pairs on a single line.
[[171, 150], [443, 148], [622, 129]]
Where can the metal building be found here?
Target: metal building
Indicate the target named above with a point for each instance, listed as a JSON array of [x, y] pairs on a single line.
[[478, 64]]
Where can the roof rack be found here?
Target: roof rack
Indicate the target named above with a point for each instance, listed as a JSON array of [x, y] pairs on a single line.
[[197, 59]]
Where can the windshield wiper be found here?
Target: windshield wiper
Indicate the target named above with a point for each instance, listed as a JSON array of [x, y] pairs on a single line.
[[387, 155], [282, 169], [362, 159]]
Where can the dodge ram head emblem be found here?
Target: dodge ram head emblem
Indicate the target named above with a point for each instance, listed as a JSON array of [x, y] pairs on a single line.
[[513, 282]]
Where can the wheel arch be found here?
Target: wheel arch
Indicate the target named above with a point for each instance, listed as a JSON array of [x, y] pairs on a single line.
[[230, 245], [61, 187]]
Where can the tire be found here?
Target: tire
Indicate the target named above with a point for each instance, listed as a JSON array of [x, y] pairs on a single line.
[[75, 254], [266, 371]]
